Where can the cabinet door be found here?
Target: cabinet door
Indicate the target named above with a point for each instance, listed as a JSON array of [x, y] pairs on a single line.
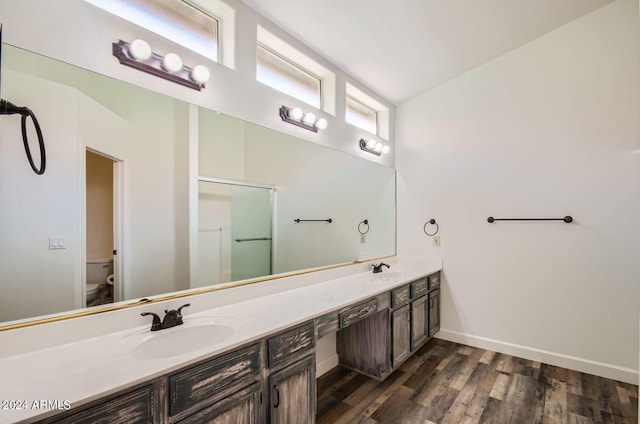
[[293, 393], [419, 326], [400, 334], [434, 312], [242, 407]]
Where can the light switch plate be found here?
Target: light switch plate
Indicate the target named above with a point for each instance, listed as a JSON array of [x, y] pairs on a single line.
[[436, 241], [57, 242]]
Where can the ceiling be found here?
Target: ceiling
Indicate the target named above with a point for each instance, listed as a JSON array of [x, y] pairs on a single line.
[[401, 48]]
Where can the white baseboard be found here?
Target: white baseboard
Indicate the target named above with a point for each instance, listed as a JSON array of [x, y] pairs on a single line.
[[601, 369], [326, 365]]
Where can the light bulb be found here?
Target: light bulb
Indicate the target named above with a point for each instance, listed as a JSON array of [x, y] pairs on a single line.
[[295, 113], [200, 74], [172, 63], [321, 124], [378, 147], [309, 118], [386, 149], [140, 50], [371, 144]]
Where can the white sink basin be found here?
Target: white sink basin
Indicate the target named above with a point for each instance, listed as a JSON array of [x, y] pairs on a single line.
[[180, 340], [388, 275]]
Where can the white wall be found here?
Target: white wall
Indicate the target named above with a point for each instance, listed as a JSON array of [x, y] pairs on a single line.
[[547, 130], [43, 281]]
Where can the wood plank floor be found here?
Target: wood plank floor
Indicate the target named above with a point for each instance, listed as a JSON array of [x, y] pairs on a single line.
[[447, 382]]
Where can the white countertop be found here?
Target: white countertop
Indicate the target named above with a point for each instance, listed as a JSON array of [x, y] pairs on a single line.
[[85, 370]]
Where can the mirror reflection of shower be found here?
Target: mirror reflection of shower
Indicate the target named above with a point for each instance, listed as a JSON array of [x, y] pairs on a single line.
[[99, 229], [235, 223]]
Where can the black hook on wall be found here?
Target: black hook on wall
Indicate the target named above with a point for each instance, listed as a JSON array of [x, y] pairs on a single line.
[[432, 222]]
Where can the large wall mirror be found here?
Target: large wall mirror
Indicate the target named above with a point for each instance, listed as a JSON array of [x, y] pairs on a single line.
[[121, 213]]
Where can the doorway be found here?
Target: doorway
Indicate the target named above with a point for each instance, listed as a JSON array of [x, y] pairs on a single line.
[[101, 196]]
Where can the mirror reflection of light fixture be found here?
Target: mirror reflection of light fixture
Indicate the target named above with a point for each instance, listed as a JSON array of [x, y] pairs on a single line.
[[138, 55], [375, 147], [307, 121]]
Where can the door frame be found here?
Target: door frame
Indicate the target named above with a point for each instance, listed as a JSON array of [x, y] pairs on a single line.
[[194, 216], [117, 225]]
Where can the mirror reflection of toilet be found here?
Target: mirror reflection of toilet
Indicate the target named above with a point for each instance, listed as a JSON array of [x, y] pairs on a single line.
[[99, 281]]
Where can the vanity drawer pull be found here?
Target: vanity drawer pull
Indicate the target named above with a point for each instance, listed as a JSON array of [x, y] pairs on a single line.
[[291, 342], [418, 288], [399, 296], [357, 313]]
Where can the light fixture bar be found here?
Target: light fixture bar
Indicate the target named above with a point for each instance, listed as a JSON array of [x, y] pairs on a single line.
[[285, 114], [297, 117], [154, 66], [363, 146]]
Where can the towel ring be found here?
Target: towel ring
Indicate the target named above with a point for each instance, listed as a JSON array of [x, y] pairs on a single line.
[[361, 225], [432, 222]]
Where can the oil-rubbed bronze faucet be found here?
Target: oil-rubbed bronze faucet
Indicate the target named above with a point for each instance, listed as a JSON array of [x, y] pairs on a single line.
[[171, 318], [378, 268]]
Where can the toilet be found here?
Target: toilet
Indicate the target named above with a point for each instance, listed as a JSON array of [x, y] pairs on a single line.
[[99, 272]]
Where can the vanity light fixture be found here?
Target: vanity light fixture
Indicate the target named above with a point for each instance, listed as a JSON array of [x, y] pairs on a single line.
[[375, 147], [308, 121], [138, 55]]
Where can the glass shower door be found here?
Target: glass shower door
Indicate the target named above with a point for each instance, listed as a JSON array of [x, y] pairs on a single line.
[[251, 232]]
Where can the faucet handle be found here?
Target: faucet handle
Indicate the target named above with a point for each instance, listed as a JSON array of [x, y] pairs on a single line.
[[156, 325], [378, 268], [179, 311]]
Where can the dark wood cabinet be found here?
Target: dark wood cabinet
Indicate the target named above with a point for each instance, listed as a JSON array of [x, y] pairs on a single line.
[[379, 343], [434, 312], [292, 393], [400, 335], [291, 379], [419, 322], [273, 380]]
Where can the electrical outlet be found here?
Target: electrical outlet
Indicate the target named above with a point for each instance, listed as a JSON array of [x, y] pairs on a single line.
[[363, 238], [436, 241]]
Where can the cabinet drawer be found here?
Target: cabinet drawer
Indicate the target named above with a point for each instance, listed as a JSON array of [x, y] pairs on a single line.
[[326, 324], [434, 281], [209, 380], [400, 296], [291, 342], [133, 407], [358, 312], [418, 288]]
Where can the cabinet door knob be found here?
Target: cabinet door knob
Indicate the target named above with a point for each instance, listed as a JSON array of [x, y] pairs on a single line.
[[277, 403]]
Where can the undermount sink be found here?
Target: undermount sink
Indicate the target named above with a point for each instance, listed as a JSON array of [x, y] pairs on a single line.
[[386, 275], [180, 340]]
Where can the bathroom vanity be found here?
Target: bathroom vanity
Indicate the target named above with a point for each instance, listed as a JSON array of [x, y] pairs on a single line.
[[263, 371]]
